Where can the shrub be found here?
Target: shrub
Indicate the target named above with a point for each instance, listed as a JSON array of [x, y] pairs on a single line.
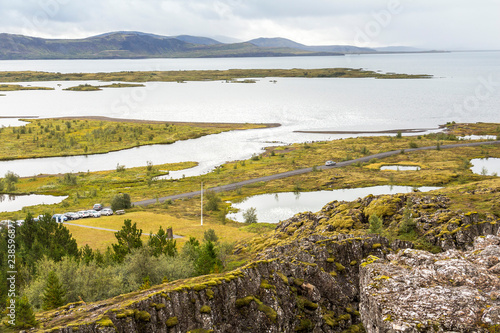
[[375, 224], [213, 201], [11, 177], [121, 201], [250, 215]]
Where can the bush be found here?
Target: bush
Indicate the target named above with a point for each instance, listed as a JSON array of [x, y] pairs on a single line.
[[375, 224], [213, 201], [121, 201], [250, 215], [11, 177], [69, 179]]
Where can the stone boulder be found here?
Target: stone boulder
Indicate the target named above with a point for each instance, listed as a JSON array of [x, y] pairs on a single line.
[[417, 291]]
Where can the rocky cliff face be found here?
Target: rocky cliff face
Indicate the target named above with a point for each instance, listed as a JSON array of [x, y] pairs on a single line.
[[415, 291], [308, 277]]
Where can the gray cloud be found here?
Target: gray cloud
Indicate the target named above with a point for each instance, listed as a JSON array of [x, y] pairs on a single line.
[[425, 23]]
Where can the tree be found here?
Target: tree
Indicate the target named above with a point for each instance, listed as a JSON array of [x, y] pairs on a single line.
[[209, 235], [54, 294], [121, 201], [408, 223], [128, 238], [250, 215], [161, 244], [86, 254], [376, 224], [25, 318], [44, 238], [213, 201], [191, 249], [207, 260]]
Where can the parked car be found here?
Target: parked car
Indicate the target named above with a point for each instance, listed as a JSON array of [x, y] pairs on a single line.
[[60, 218], [97, 207], [72, 216], [94, 213], [106, 211], [83, 214], [330, 163]]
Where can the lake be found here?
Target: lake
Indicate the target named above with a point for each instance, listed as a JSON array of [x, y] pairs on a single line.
[[13, 203], [296, 103], [275, 207]]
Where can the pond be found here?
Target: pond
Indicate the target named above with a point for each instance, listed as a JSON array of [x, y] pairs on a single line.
[[11, 122], [486, 166], [400, 167], [275, 207], [13, 203]]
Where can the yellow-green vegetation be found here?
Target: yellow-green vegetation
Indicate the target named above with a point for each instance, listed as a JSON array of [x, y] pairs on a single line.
[[172, 321], [151, 221], [89, 87], [15, 87], [438, 168], [205, 309], [202, 75], [462, 129], [69, 136]]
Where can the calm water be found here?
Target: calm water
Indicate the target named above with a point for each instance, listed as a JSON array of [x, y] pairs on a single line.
[[273, 208], [400, 168], [486, 166], [12, 203], [298, 104]]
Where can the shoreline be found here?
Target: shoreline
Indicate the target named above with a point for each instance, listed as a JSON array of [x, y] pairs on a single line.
[[144, 121], [405, 130]]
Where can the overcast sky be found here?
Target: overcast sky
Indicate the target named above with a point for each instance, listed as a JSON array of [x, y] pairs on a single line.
[[436, 24]]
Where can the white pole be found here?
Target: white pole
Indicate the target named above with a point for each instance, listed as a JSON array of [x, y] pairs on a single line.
[[201, 203]]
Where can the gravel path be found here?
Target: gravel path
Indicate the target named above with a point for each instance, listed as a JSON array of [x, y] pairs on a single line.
[[235, 186]]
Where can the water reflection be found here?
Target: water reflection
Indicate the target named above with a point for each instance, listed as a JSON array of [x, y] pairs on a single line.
[[486, 166], [287, 204]]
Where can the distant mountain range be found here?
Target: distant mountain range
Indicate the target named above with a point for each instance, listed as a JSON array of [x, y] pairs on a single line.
[[134, 44]]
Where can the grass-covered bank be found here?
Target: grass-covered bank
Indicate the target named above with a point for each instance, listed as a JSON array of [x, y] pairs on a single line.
[[85, 136], [203, 75], [438, 167], [17, 87]]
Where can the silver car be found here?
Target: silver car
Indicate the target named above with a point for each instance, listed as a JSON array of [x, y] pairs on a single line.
[[94, 213], [106, 211]]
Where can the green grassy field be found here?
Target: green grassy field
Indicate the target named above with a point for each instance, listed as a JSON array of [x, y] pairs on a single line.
[[446, 167], [84, 136]]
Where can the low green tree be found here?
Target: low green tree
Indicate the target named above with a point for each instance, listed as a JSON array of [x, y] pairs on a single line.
[[250, 215], [209, 235], [191, 249], [207, 261], [213, 201], [121, 201], [25, 318], [54, 294], [408, 223], [161, 244], [376, 224], [129, 237]]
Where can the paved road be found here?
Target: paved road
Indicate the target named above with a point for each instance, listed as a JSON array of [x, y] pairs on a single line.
[[235, 186], [99, 228]]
